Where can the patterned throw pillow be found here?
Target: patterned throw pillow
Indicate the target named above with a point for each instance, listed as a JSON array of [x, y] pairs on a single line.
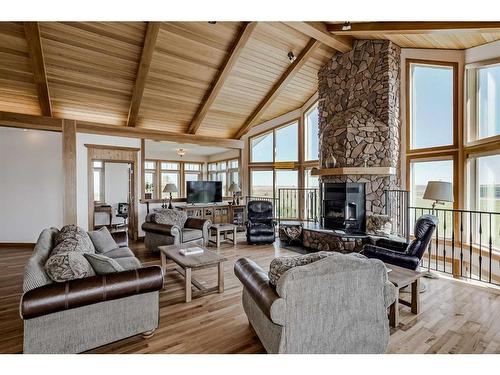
[[170, 217], [67, 263], [103, 265], [282, 264], [77, 234]]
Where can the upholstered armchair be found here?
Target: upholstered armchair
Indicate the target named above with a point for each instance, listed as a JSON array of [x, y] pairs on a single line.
[[260, 224], [334, 304], [173, 227], [402, 254]]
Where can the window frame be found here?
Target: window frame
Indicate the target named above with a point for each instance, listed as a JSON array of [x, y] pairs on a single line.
[[305, 133], [299, 122], [471, 123], [408, 88], [102, 180], [227, 171]]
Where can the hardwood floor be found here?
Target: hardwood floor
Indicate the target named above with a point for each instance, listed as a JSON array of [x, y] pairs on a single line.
[[455, 317]]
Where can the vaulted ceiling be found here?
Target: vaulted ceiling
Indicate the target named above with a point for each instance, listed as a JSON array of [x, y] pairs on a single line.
[[199, 78]]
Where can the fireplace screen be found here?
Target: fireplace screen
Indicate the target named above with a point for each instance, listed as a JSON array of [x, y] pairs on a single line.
[[343, 206]]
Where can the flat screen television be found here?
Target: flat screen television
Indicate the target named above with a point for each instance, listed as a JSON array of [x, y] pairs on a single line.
[[204, 191]]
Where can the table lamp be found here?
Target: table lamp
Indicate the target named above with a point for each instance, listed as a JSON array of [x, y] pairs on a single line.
[[439, 192], [170, 188], [235, 189]]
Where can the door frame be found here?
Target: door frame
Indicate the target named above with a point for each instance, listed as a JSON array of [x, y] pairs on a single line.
[[114, 154]]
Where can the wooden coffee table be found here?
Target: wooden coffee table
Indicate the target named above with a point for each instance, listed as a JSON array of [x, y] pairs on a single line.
[[222, 229], [188, 263], [402, 277]]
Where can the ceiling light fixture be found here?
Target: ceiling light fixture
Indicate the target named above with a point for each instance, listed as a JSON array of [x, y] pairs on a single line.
[[346, 26], [212, 22], [291, 57], [181, 152]]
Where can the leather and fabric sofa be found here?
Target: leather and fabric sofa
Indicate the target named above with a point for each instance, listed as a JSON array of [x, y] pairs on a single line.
[[402, 254], [173, 227], [334, 304], [81, 314], [260, 225]]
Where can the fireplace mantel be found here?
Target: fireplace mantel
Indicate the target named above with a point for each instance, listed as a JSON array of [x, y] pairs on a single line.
[[381, 171]]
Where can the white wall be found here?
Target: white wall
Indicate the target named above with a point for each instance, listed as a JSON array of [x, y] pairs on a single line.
[[81, 173], [31, 183]]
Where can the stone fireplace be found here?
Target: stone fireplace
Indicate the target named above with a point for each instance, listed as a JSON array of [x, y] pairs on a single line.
[[359, 119]]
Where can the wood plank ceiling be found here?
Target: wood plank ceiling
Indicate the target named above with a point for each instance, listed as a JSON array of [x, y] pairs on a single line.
[[207, 79]]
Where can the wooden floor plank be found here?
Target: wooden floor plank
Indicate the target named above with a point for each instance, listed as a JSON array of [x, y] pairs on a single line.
[[455, 317]]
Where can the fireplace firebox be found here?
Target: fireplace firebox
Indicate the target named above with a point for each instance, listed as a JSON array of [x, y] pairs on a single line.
[[343, 206]]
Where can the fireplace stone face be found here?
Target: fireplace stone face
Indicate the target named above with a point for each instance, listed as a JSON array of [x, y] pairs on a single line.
[[359, 116]]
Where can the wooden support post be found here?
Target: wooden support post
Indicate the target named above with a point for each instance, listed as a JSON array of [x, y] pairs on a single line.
[[69, 170]]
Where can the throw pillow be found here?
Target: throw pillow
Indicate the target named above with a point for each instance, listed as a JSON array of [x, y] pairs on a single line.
[[282, 264], [67, 263], [103, 240], [34, 273], [75, 233], [170, 217], [102, 264]]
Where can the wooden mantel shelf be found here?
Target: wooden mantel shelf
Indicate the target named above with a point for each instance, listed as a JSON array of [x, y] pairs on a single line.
[[354, 171]]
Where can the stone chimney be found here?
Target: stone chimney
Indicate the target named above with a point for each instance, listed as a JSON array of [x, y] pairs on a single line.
[[359, 115]]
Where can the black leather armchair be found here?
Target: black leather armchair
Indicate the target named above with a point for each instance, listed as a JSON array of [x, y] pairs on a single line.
[[260, 224], [406, 255]]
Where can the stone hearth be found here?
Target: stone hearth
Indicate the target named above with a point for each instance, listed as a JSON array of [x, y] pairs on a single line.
[[359, 115]]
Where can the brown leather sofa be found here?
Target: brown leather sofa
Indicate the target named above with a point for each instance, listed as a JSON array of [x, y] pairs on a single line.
[[78, 315]]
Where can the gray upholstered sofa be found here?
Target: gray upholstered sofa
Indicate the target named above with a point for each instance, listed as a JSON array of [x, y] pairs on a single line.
[[85, 313], [172, 227], [337, 304]]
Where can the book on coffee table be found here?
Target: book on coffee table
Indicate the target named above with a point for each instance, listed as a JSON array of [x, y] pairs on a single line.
[[191, 251]]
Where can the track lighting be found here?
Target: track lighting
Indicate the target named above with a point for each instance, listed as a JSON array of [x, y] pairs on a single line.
[[346, 26], [291, 57]]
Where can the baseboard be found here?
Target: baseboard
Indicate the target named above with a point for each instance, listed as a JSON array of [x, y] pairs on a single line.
[[15, 245]]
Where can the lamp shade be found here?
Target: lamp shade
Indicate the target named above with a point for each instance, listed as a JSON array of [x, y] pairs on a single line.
[[234, 188], [439, 191], [170, 188]]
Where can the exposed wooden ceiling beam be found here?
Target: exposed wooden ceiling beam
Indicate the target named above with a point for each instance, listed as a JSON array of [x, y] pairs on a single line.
[[18, 120], [319, 31], [142, 72], [414, 27], [290, 73], [32, 32], [224, 72]]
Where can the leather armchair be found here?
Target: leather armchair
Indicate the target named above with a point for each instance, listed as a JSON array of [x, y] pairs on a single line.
[[260, 224], [406, 255]]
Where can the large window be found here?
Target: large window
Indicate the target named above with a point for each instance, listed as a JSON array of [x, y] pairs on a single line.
[[170, 172], [432, 104], [226, 171], [150, 179], [98, 181], [483, 101], [158, 173], [278, 145], [485, 191], [311, 130], [421, 172], [261, 183]]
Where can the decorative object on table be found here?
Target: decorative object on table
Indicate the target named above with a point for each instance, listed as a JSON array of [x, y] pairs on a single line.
[[331, 161], [291, 233], [439, 192], [235, 189], [169, 188], [379, 224]]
